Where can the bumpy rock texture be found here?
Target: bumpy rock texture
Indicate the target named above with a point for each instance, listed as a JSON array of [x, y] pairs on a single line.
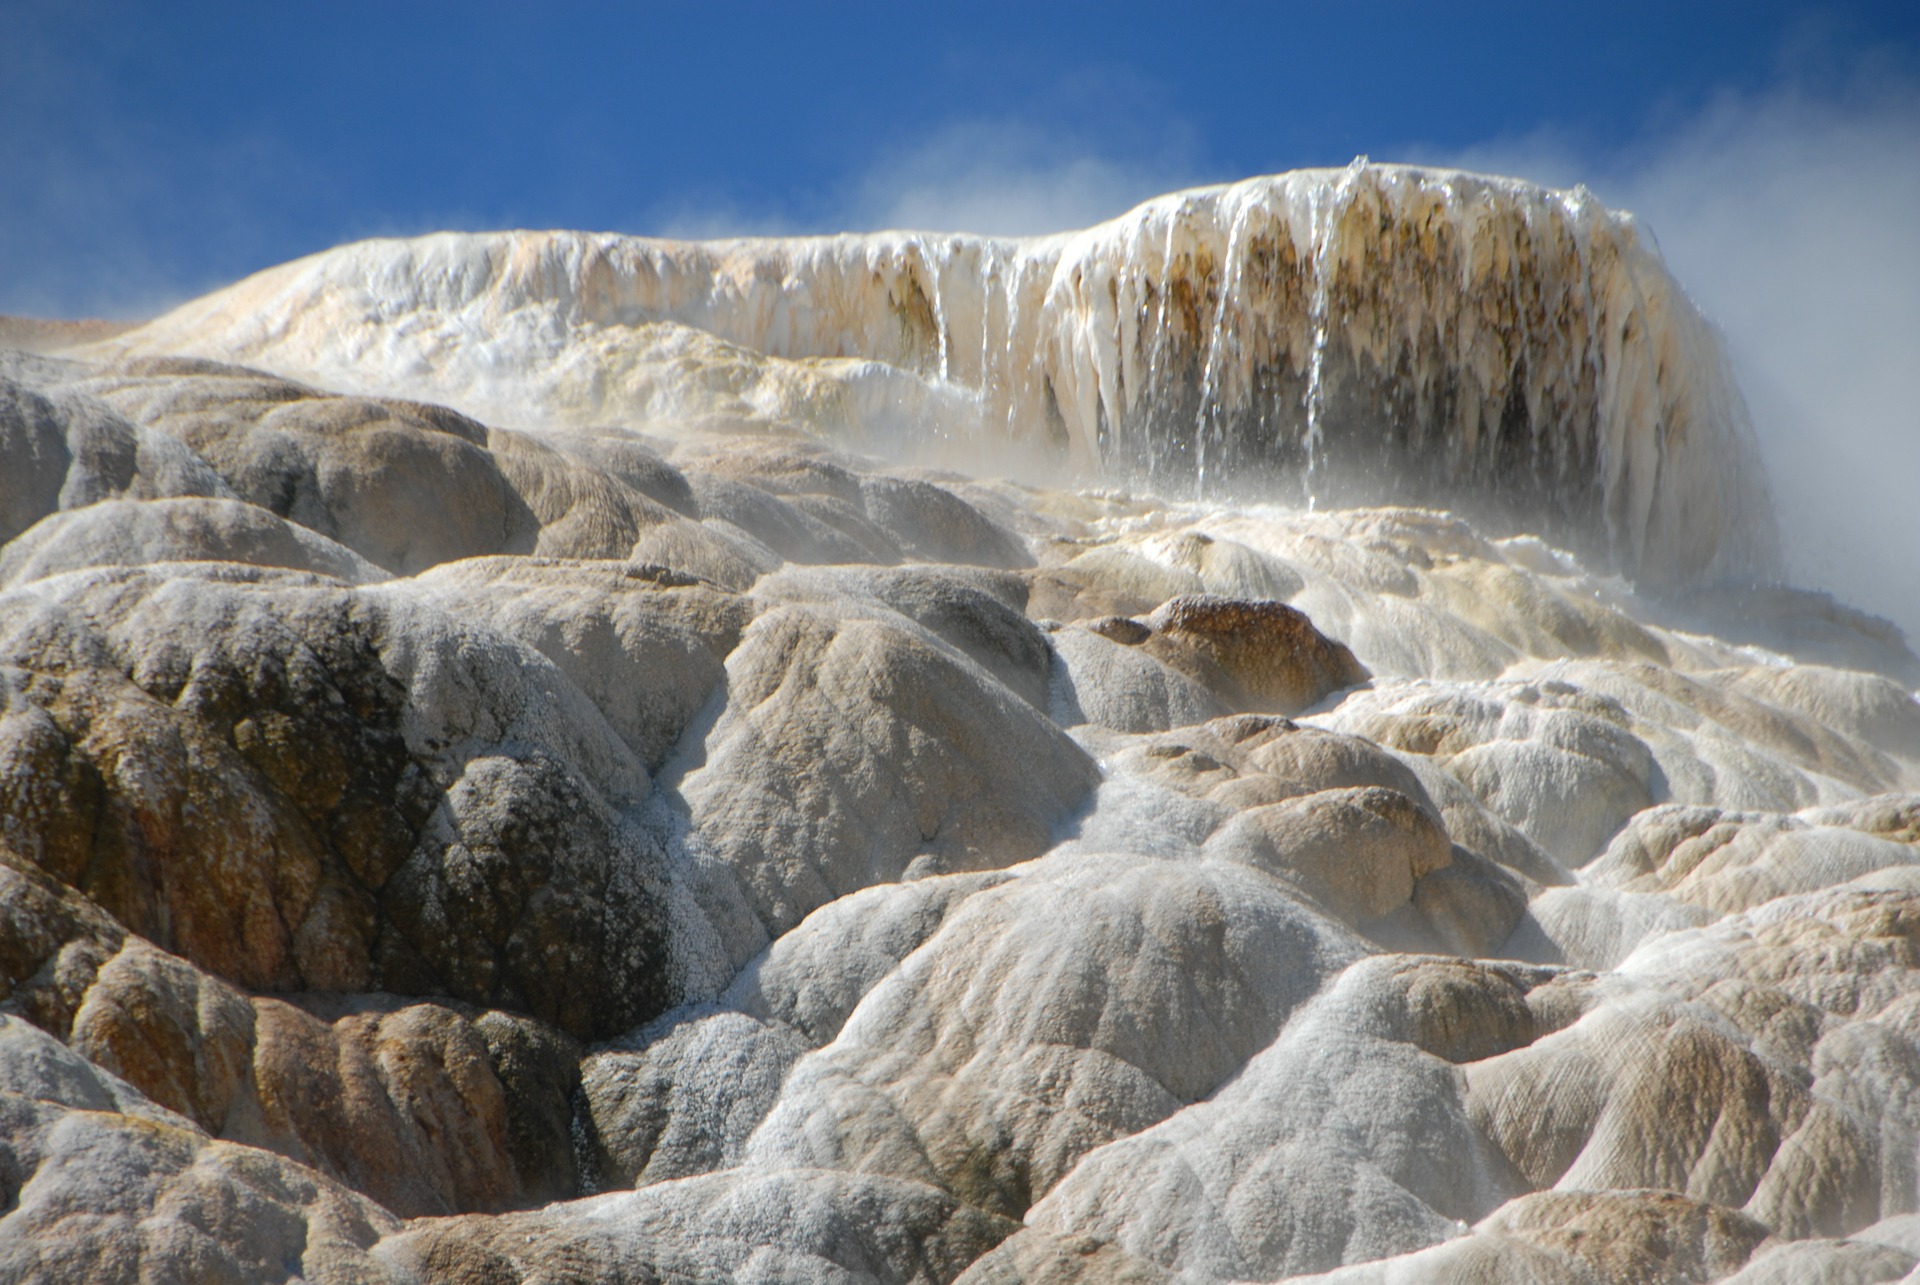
[[636, 840]]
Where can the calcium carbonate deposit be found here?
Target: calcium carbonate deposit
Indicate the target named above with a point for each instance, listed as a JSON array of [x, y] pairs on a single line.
[[1260, 740]]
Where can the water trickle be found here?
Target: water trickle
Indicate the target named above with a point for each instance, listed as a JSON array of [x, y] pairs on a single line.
[[1327, 205], [1580, 205], [990, 276], [1155, 391], [1206, 428], [939, 312], [1011, 371]]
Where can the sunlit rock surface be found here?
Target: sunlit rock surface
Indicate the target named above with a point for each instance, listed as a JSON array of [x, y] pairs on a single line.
[[502, 786]]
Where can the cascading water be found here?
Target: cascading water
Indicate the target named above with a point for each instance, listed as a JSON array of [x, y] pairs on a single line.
[[941, 332], [1324, 211], [1206, 425], [1372, 334]]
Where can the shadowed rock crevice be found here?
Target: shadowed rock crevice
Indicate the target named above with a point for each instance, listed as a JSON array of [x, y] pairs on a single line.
[[425, 1107], [278, 802]]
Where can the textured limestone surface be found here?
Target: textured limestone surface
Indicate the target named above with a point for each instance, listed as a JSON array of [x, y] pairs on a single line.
[[645, 837]]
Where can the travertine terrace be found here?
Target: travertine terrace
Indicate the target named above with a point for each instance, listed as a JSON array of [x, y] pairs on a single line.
[[1255, 741]]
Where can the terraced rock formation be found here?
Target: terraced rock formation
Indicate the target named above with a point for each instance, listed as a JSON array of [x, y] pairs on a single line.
[[659, 841]]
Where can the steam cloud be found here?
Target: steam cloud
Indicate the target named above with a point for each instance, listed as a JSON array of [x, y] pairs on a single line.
[[987, 176], [1788, 216], [1790, 219], [1005, 178]]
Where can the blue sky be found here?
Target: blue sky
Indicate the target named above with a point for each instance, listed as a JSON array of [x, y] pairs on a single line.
[[154, 150], [149, 152]]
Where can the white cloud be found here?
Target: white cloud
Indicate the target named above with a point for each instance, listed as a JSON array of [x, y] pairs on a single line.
[[1005, 178], [992, 176], [690, 217]]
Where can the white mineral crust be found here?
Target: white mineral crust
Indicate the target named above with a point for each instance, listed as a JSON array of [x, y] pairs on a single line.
[[502, 777]]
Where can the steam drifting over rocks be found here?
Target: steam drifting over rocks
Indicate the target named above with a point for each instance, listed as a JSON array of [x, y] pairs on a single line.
[[500, 778], [1375, 334]]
